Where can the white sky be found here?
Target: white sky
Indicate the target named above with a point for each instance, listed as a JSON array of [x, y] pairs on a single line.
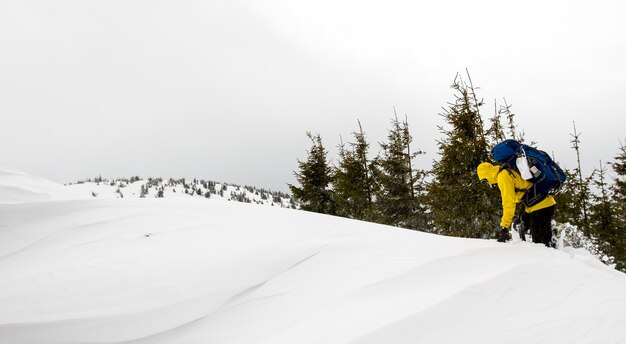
[[226, 90]]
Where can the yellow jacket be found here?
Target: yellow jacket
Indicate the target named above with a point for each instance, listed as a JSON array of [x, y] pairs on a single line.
[[512, 187]]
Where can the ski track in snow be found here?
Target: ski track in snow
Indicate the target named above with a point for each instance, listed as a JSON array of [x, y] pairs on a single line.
[[192, 270]]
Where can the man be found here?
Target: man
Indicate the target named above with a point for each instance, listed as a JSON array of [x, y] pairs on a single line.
[[537, 218]]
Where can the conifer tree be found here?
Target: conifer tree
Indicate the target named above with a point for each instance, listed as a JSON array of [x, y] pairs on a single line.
[[460, 204], [568, 204], [602, 216], [510, 119], [496, 130], [314, 178], [574, 199], [583, 185], [619, 166], [144, 191], [398, 193], [619, 204], [353, 180]]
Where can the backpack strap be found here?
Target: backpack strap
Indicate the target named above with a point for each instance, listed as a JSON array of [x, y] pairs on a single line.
[[506, 166]]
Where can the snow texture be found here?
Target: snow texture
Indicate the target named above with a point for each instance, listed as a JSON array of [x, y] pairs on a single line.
[[197, 270]]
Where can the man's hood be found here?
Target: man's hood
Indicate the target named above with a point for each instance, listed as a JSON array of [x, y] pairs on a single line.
[[489, 172]]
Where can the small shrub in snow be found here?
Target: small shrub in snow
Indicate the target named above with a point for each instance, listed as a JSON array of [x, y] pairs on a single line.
[[572, 236]]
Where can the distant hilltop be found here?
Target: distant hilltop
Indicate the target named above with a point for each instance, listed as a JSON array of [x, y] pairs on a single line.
[[172, 188], [19, 187]]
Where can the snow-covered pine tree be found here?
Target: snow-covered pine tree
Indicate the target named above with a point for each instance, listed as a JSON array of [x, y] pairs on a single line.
[[314, 178], [399, 190], [460, 204], [353, 181], [144, 191]]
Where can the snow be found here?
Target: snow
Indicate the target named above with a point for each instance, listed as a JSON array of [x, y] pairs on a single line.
[[197, 270], [16, 186]]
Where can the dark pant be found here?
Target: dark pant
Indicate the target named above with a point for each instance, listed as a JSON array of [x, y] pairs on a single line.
[[540, 224]]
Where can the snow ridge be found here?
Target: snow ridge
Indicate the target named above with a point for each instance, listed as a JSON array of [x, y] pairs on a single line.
[[191, 270]]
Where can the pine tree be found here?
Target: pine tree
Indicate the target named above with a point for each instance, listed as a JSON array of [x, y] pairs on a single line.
[[602, 216], [398, 193], [619, 187], [144, 191], [510, 119], [568, 200], [619, 204], [353, 180], [314, 179], [460, 204], [496, 130], [574, 199]]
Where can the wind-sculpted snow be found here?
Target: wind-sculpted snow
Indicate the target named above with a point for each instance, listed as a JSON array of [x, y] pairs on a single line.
[[16, 186], [563, 307], [192, 270]]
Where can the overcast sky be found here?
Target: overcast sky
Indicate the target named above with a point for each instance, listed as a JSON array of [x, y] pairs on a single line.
[[225, 90]]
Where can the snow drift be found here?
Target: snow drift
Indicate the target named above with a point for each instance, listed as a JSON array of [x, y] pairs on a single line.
[[192, 270], [16, 186]]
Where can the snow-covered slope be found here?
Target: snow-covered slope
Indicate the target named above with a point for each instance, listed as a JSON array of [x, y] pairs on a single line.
[[16, 187], [180, 188], [192, 270]]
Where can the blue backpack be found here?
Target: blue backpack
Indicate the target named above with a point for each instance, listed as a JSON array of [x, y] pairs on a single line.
[[538, 168]]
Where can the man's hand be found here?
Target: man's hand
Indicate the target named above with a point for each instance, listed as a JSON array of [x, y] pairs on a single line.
[[503, 234]]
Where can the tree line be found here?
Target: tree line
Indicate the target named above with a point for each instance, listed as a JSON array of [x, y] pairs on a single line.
[[449, 199]]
